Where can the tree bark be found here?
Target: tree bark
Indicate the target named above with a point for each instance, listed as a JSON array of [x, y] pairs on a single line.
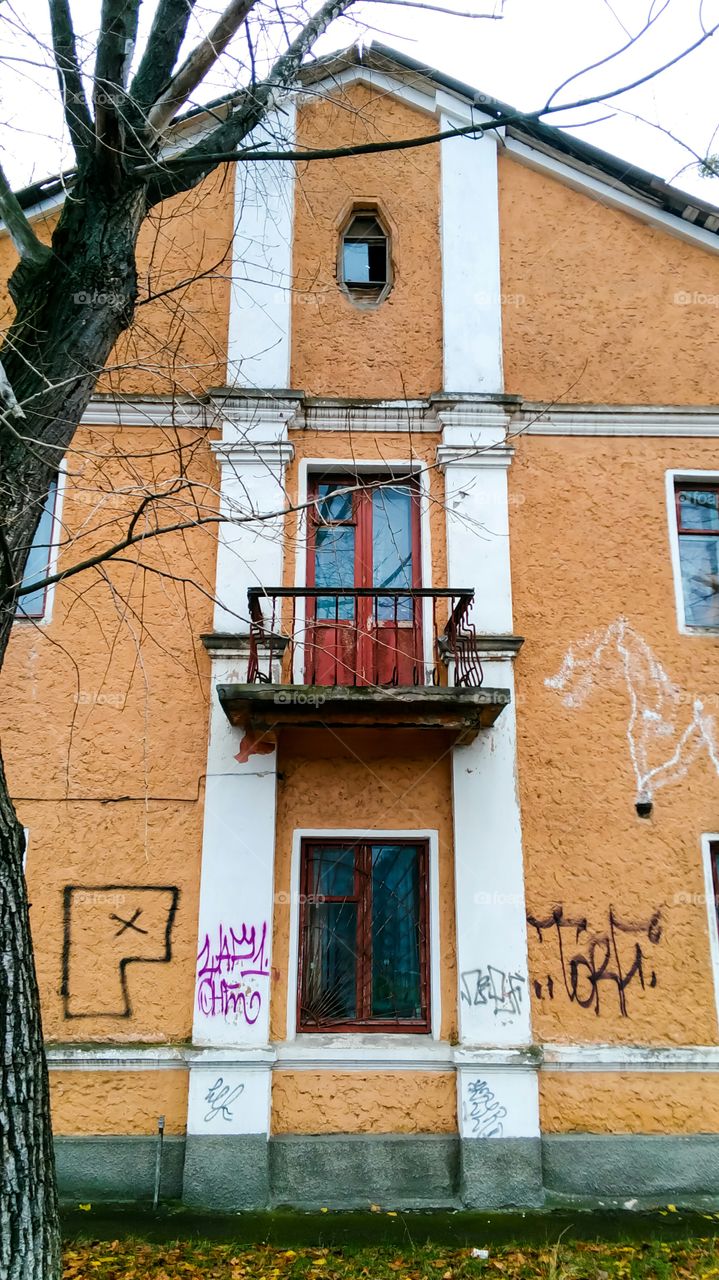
[[29, 1227]]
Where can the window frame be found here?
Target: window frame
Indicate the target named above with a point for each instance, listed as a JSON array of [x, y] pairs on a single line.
[[310, 469], [362, 844], [44, 616], [353, 290], [710, 851], [361, 488], [676, 479]]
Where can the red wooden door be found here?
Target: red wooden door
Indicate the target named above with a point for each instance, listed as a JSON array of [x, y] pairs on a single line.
[[364, 534]]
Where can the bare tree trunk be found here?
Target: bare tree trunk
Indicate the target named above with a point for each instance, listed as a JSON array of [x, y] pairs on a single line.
[[29, 1224]]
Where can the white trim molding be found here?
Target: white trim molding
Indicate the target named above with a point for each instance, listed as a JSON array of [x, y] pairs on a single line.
[[375, 1052], [61, 1057], [253, 453], [148, 411], [673, 477], [637, 1058], [56, 531], [236, 907], [497, 1101], [536, 419], [492, 963], [351, 1042], [402, 417], [387, 1053]]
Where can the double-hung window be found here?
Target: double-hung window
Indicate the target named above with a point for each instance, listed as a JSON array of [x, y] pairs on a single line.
[[697, 513], [364, 945]]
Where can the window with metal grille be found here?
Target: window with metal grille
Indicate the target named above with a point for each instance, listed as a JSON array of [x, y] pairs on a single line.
[[37, 566], [697, 507], [364, 257], [364, 945]]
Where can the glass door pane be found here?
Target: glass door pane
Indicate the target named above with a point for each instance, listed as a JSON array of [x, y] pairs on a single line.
[[392, 549]]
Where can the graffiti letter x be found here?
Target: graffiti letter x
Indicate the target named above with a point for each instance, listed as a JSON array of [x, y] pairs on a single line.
[[127, 924]]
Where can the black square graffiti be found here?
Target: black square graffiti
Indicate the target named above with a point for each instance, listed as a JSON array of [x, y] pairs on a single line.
[[106, 928]]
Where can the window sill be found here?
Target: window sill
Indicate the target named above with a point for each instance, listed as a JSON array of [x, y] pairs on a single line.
[[686, 629], [376, 1051]]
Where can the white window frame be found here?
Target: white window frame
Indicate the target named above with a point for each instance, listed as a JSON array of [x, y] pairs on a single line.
[[713, 922], [45, 617], [684, 476], [349, 1039]]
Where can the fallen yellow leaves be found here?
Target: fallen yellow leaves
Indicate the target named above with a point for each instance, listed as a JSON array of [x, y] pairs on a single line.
[[693, 1259]]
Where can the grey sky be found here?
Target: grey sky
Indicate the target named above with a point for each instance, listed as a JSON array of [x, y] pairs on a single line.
[[520, 58]]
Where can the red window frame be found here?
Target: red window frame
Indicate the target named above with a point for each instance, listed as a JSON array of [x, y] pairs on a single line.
[[361, 489], [367, 649], [362, 895], [682, 532], [704, 487]]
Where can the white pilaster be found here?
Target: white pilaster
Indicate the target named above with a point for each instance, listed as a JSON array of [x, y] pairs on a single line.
[[253, 455], [497, 1099], [261, 291], [226, 1098], [491, 919], [475, 459], [232, 989], [471, 284]]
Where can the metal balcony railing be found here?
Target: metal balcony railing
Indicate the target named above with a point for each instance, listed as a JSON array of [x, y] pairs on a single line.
[[365, 636]]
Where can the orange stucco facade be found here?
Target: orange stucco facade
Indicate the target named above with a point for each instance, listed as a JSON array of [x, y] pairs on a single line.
[[109, 700]]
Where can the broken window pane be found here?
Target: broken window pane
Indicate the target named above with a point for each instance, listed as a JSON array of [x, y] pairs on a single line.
[[365, 257]]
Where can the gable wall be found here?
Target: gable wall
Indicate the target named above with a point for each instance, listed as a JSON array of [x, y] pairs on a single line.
[[592, 300]]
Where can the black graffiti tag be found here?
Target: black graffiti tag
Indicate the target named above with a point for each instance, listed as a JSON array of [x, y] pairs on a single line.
[[103, 942], [499, 990], [617, 956]]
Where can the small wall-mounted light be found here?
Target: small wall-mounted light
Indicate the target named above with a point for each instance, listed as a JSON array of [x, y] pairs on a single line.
[[644, 807]]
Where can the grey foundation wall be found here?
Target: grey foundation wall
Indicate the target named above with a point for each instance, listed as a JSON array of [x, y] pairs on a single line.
[[229, 1174], [118, 1168]]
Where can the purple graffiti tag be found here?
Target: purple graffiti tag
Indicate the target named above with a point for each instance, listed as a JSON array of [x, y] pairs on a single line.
[[226, 967]]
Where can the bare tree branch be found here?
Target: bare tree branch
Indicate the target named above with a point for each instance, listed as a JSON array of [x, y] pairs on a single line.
[[650, 75], [162, 49], [601, 62], [204, 157], [439, 8], [195, 67], [30, 249], [254, 104], [118, 29], [77, 113]]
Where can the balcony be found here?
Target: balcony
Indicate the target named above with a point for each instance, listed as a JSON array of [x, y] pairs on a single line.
[[362, 657]]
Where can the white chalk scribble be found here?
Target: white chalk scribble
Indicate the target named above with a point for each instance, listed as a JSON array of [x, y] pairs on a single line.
[[667, 729]]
